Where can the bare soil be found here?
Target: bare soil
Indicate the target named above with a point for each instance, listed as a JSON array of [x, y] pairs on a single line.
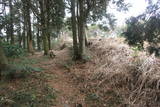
[[68, 93]]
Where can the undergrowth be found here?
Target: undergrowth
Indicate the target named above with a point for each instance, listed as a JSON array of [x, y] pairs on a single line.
[[20, 68], [27, 85], [119, 76], [13, 51], [28, 92]]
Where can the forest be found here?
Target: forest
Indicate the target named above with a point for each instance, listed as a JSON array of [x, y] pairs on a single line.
[[75, 53]]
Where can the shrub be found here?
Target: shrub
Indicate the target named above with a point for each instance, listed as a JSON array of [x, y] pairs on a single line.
[[13, 50], [156, 50], [19, 71], [27, 94]]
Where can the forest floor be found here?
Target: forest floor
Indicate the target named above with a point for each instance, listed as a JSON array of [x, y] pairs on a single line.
[[51, 86], [68, 93], [112, 75]]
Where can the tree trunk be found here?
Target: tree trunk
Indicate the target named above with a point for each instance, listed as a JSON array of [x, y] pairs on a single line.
[[86, 38], [44, 26], [38, 40], [11, 22], [81, 28], [7, 33], [48, 24], [24, 25], [19, 35], [29, 32], [74, 30], [3, 60], [78, 28], [45, 41], [24, 38], [49, 41]]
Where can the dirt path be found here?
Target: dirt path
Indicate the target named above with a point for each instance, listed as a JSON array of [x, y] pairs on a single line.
[[68, 94]]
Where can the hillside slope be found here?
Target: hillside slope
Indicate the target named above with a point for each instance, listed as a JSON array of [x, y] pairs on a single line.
[[119, 76]]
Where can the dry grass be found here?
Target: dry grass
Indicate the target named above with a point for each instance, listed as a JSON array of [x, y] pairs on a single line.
[[121, 77]]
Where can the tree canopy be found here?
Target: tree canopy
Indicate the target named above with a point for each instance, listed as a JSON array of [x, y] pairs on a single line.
[[145, 27]]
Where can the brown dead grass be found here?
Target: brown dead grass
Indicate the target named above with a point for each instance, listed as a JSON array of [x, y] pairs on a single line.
[[118, 77]]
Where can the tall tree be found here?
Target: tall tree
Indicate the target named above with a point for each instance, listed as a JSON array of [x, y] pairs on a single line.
[[74, 29], [81, 25], [145, 27], [11, 27], [43, 15], [28, 26], [48, 23], [50, 19], [24, 28], [3, 59], [89, 10], [38, 40]]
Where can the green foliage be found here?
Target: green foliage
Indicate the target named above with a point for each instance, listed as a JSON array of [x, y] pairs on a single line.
[[21, 68], [136, 50], [26, 61], [68, 23], [98, 10], [28, 94], [152, 30], [92, 97], [102, 27], [30, 98], [13, 50], [152, 49], [19, 71], [29, 88], [22, 97], [145, 27], [57, 13], [86, 58], [14, 74], [134, 33]]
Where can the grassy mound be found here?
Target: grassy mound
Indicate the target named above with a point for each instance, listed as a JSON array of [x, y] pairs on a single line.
[[120, 76]]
